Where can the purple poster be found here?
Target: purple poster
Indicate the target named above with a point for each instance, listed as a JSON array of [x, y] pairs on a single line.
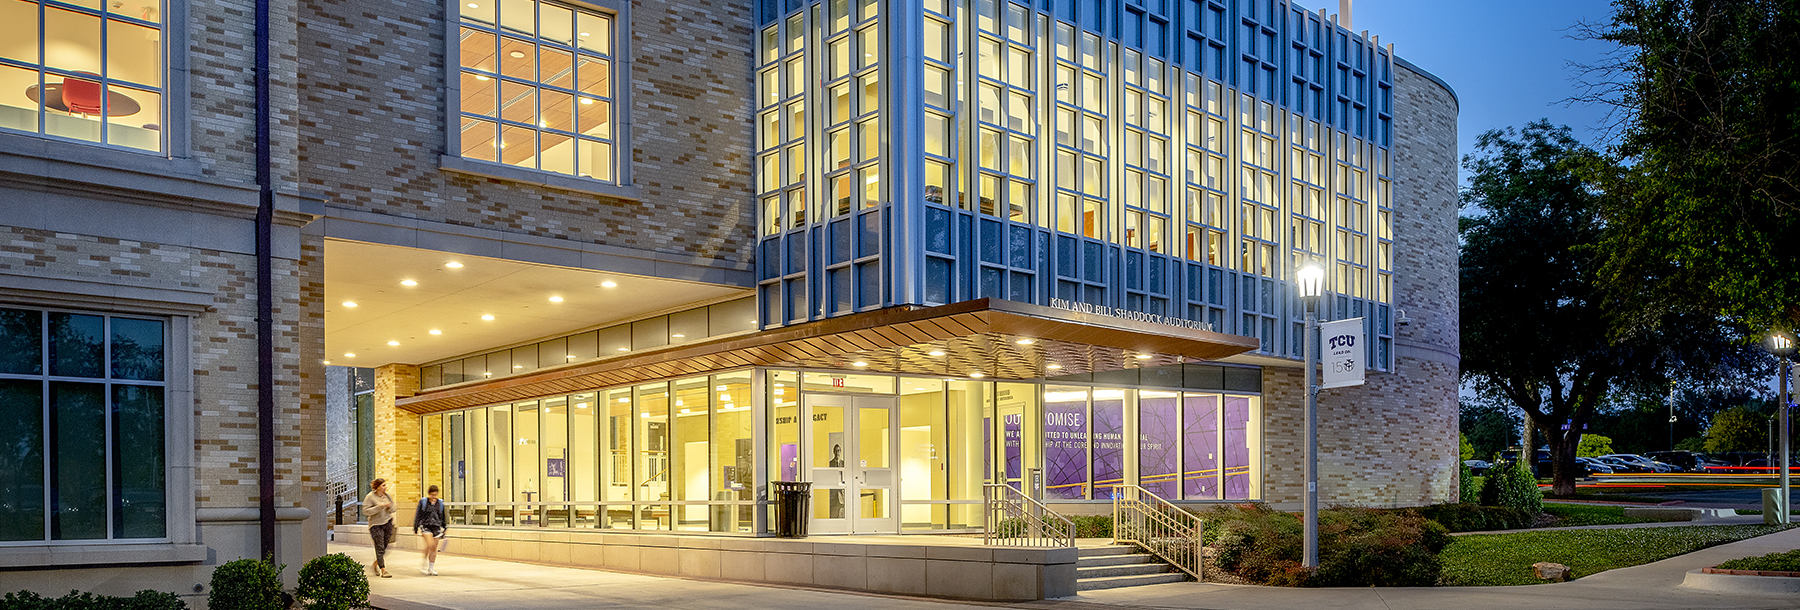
[[556, 467], [790, 462], [1200, 448], [1015, 437], [1158, 427], [1065, 449], [1237, 448], [1109, 446]]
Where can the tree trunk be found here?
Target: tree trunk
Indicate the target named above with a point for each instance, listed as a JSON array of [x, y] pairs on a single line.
[[1564, 468]]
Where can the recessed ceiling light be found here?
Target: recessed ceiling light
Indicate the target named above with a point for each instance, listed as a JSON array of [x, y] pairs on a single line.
[[349, 303], [587, 102], [555, 299], [453, 265], [609, 284], [1025, 342], [517, 54], [1054, 366], [584, 34], [349, 354], [569, 357], [977, 375], [937, 352], [480, 77], [679, 336], [393, 343], [435, 331], [488, 317], [518, 366], [1143, 356], [859, 363], [408, 283], [624, 349], [581, 405], [684, 411], [626, 400], [474, 5], [324, 362]]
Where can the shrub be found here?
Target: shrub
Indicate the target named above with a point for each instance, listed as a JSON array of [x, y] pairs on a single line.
[[1468, 489], [76, 600], [1512, 485], [1093, 526], [1476, 518], [246, 584], [1358, 547], [1773, 562], [333, 582]]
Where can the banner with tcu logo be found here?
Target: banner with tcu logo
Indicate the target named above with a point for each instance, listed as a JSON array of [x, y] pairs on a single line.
[[1342, 348]]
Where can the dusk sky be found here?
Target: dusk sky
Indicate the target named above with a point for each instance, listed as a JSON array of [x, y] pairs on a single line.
[[1507, 61]]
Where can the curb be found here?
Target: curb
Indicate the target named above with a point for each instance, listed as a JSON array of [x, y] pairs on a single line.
[[1701, 580], [1750, 572]]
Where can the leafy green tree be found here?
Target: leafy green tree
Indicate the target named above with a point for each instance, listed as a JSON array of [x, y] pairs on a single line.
[[1464, 450], [1710, 91], [1737, 429], [1535, 326], [1489, 426], [1692, 443], [1593, 445]]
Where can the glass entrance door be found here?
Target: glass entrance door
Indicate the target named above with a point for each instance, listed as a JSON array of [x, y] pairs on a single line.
[[852, 464]]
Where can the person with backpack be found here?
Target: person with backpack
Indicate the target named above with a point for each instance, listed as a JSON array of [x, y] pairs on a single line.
[[429, 523]]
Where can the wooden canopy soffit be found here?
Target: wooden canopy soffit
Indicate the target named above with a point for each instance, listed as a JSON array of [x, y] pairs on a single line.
[[993, 338]]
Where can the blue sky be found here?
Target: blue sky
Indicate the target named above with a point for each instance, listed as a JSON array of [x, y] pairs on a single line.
[[1507, 60]]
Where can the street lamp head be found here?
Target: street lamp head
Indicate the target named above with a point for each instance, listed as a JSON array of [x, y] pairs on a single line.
[[1310, 280], [1781, 345]]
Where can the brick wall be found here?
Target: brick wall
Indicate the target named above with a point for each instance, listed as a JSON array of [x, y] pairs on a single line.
[[372, 128]]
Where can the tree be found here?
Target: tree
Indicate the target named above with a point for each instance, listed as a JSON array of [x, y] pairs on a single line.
[[1535, 327], [1593, 445], [1737, 429], [1464, 450], [1710, 94], [1490, 427]]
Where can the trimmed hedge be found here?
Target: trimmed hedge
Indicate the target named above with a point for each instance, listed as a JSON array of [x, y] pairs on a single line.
[[333, 582], [1511, 484], [76, 600], [246, 584], [1476, 518], [1772, 562], [1358, 547]]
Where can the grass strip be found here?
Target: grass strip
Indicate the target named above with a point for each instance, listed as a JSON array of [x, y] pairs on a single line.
[[1572, 515], [1505, 559], [1773, 562]]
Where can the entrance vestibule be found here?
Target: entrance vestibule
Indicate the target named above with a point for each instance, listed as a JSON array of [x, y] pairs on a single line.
[[851, 463]]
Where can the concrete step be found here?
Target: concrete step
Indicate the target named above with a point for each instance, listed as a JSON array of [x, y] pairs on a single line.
[[1114, 582], [1082, 574], [1102, 551], [1114, 560]]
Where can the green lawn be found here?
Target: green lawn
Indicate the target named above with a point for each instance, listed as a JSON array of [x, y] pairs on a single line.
[[1505, 559], [1589, 514]]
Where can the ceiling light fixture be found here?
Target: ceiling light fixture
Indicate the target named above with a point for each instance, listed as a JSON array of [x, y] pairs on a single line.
[[584, 34], [324, 362], [581, 405], [517, 54], [480, 77], [349, 354], [609, 284], [1143, 356], [349, 303], [393, 343], [474, 5], [625, 400], [555, 299], [453, 265], [587, 102], [1025, 341], [518, 366], [859, 363], [408, 283], [937, 352], [1054, 366], [679, 336], [435, 331], [624, 349], [488, 317], [977, 375]]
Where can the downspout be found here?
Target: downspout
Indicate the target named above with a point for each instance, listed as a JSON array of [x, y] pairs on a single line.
[[265, 293]]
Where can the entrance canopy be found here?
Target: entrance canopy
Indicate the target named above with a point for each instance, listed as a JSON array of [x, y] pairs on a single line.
[[978, 338]]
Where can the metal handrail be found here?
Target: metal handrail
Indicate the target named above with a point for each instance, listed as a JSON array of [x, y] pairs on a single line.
[[1167, 531], [1016, 519]]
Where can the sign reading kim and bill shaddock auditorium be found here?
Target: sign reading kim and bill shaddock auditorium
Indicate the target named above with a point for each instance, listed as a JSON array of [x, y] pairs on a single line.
[[1126, 314], [1341, 343]]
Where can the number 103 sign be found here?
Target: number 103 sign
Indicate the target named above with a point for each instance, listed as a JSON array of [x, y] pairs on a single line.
[[1341, 344]]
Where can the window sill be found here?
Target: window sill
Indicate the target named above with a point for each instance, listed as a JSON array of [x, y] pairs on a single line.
[[52, 150], [100, 554], [531, 176]]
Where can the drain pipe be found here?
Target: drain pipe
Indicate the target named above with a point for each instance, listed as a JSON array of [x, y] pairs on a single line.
[[265, 293]]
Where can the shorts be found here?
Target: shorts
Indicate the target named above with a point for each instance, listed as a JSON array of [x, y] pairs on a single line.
[[436, 531]]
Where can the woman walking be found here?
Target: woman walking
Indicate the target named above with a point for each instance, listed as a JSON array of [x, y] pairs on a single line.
[[380, 509], [429, 524]]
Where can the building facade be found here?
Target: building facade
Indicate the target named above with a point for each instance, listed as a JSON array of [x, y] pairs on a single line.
[[619, 266]]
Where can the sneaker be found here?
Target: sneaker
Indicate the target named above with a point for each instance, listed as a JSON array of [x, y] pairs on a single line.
[[425, 571], [433, 571], [385, 574]]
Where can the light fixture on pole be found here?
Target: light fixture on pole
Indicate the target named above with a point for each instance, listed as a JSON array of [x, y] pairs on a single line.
[[1782, 346], [1310, 280]]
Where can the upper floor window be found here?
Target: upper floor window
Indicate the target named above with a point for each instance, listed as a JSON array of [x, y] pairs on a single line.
[[84, 70], [537, 87]]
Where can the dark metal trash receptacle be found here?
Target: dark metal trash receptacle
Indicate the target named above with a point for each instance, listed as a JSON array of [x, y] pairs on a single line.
[[790, 508]]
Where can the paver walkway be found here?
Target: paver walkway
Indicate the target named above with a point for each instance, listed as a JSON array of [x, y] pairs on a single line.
[[483, 584]]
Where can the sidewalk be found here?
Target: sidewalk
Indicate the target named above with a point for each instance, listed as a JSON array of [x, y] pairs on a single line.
[[1652, 586]]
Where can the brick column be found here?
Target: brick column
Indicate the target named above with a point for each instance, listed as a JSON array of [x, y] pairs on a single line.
[[397, 438]]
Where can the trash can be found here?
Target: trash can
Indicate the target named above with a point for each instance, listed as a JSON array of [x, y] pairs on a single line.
[[790, 508]]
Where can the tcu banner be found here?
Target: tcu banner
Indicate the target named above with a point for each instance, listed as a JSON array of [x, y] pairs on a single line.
[[1342, 348]]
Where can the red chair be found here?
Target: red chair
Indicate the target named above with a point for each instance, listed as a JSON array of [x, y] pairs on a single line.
[[82, 96]]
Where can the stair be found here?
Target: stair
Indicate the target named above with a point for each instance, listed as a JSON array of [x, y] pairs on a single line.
[[1114, 566]]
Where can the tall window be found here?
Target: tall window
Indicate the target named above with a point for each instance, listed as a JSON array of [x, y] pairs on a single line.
[[537, 87], [87, 71], [82, 395]]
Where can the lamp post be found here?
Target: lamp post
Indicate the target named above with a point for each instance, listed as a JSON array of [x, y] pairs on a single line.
[[1783, 347], [1310, 280]]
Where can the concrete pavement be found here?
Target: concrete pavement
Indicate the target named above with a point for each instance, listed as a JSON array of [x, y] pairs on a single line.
[[479, 584]]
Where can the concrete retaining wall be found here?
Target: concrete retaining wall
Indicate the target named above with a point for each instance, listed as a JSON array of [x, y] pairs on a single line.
[[907, 566]]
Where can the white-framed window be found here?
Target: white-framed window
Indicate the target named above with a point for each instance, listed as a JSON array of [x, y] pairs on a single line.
[[536, 87], [84, 397], [87, 71]]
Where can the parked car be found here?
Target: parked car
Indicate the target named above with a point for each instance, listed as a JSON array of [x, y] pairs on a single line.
[[1594, 466], [1649, 464], [1688, 461], [1478, 467], [1539, 468], [1623, 466]]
